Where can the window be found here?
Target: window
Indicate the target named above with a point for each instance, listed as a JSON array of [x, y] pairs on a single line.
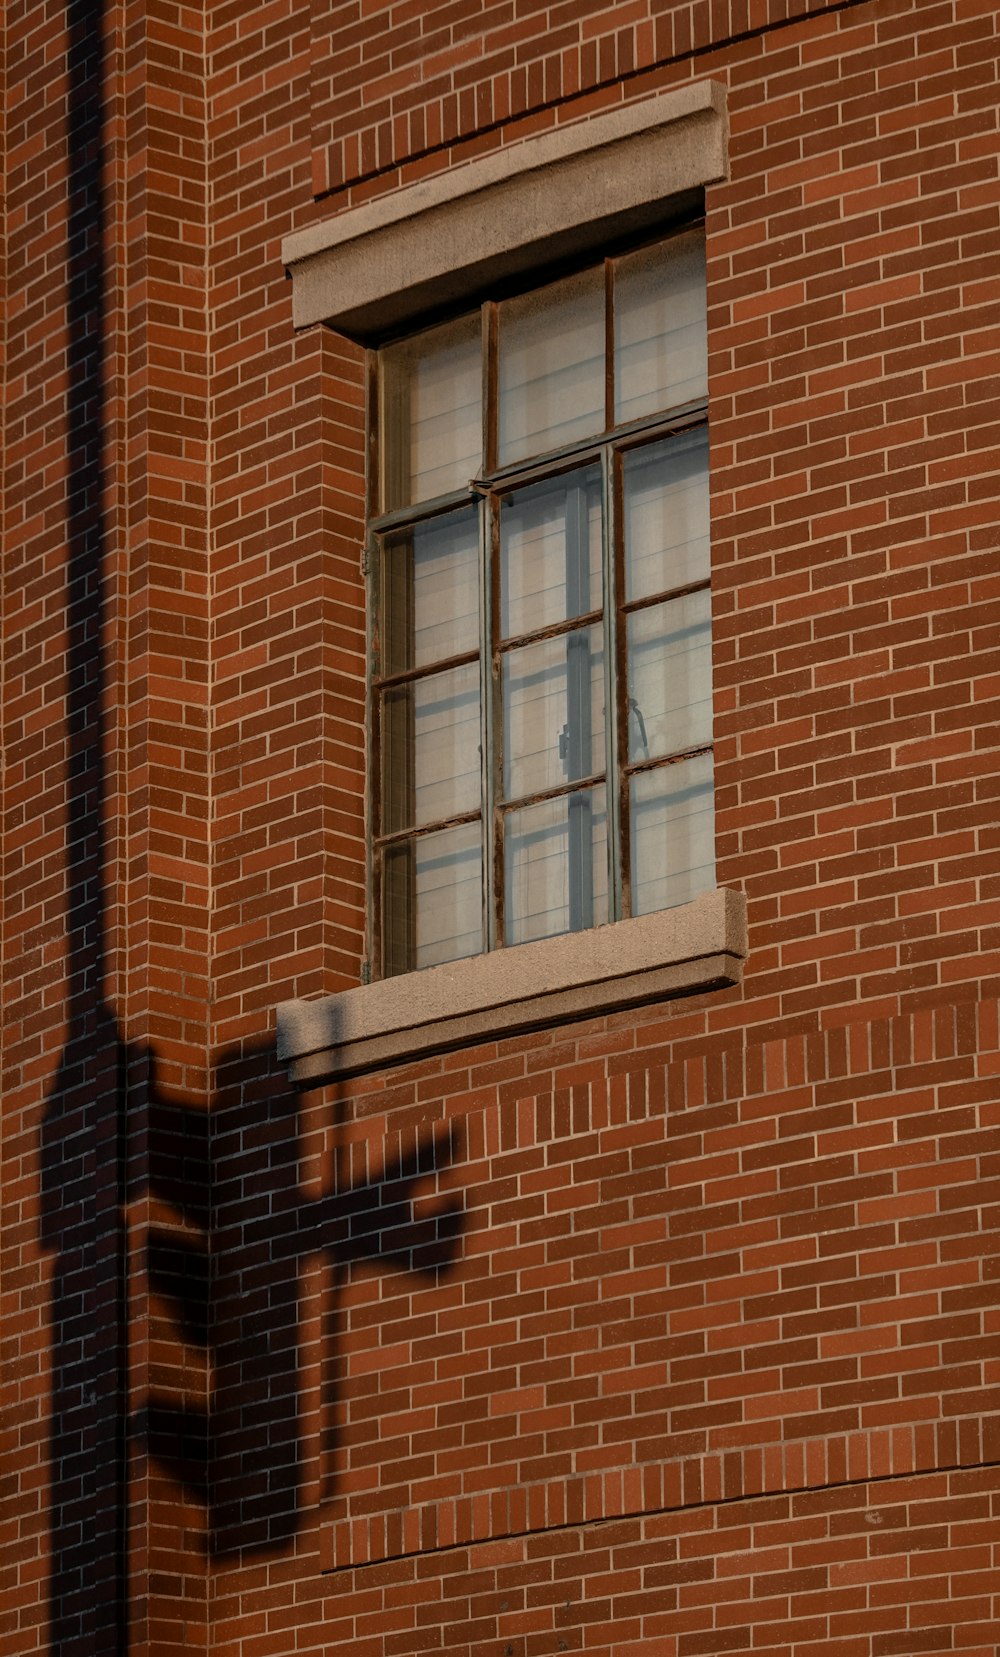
[[540, 652]]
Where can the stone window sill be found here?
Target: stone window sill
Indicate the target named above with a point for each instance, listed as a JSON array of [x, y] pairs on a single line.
[[698, 946]]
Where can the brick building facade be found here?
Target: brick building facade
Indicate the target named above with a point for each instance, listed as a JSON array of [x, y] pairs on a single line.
[[662, 1324]]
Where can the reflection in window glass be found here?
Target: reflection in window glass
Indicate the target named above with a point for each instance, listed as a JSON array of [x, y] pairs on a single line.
[[673, 834], [432, 899], [550, 552], [430, 749], [660, 330], [430, 591], [556, 866], [552, 366], [670, 676], [431, 413], [573, 580], [553, 712], [666, 515]]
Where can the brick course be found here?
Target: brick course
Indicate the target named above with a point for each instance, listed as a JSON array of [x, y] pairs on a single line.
[[670, 1332]]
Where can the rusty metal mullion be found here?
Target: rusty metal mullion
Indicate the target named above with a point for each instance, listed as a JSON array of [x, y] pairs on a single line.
[[373, 735], [648, 429], [579, 738], [495, 875], [486, 718], [508, 478], [554, 630], [653, 428], [618, 779], [610, 531], [558, 791], [420, 831], [405, 517], [389, 681], [660, 761], [489, 374]]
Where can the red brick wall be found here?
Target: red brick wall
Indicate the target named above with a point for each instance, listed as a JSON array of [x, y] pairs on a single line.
[[106, 818], [883, 1569], [671, 1333], [690, 1266], [392, 82]]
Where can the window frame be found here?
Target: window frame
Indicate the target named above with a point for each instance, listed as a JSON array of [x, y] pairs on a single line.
[[607, 448]]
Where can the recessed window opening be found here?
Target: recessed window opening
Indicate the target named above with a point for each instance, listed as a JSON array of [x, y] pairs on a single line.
[[540, 678]]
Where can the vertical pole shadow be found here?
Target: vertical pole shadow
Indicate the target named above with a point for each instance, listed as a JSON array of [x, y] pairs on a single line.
[[82, 1136], [230, 1171]]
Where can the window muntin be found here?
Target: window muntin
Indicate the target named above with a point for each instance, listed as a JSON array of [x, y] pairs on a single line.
[[540, 555]]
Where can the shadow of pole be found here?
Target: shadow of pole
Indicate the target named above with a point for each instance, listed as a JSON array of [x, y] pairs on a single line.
[[229, 1171], [83, 1145]]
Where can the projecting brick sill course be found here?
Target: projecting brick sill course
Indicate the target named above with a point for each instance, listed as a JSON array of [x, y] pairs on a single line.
[[698, 946], [631, 1492]]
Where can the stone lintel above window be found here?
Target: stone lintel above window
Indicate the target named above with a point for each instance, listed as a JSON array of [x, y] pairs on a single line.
[[435, 246], [697, 946]]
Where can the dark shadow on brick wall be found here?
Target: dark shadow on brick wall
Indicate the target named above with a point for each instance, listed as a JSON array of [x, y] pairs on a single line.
[[228, 1166], [82, 1139], [240, 1295]]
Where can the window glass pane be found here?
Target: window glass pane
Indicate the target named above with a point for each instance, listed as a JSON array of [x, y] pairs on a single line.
[[556, 860], [432, 899], [553, 712], [430, 591], [673, 834], [550, 552], [430, 749], [552, 353], [666, 515], [660, 335], [431, 413], [670, 676]]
